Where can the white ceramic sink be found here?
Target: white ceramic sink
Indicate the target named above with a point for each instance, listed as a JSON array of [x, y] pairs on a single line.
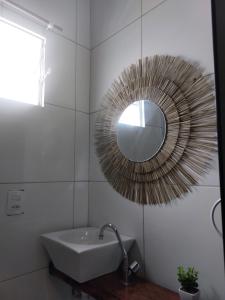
[[81, 255]]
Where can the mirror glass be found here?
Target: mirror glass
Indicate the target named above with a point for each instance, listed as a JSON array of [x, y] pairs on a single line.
[[141, 130]]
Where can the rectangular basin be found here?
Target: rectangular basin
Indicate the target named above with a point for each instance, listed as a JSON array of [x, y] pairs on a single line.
[[81, 255]]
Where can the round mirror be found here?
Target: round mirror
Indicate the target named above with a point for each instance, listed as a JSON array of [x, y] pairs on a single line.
[[141, 130]]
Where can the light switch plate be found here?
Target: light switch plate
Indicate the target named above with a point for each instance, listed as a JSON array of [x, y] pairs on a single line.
[[15, 201]]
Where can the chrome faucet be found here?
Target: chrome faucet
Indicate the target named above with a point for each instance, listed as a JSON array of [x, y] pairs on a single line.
[[124, 252]]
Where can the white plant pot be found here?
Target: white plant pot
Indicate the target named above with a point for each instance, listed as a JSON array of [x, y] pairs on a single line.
[[187, 296]]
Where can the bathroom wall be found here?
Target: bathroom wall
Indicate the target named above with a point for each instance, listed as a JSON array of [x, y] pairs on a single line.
[[45, 152], [181, 233]]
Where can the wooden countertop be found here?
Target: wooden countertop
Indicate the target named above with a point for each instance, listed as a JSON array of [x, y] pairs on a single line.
[[110, 287]]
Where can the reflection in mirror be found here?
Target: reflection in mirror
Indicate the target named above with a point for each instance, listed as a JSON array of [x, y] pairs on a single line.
[[141, 130]]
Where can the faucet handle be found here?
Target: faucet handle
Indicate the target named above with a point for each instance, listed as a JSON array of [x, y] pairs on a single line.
[[134, 267]]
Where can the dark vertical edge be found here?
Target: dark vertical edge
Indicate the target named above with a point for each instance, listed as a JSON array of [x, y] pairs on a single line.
[[218, 22]]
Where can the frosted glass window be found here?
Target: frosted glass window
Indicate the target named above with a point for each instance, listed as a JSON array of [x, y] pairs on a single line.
[[22, 64], [134, 114]]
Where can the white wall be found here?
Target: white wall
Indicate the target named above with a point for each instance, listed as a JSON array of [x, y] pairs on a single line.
[[180, 233], [45, 152]]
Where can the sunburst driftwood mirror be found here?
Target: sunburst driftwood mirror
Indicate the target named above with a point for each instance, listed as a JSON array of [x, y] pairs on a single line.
[[156, 130]]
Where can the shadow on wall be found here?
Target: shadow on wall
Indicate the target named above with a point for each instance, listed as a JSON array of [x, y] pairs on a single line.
[[213, 295], [135, 255]]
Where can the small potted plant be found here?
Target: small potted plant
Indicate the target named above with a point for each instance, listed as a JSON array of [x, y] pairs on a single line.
[[189, 285]]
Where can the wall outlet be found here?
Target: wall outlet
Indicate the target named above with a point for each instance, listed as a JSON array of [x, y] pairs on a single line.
[[15, 202]]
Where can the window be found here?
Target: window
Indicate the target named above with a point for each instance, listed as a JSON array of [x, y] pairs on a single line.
[[22, 64], [134, 114]]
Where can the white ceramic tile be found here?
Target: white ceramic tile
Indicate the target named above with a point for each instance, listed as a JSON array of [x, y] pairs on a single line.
[[27, 287], [150, 4], [180, 27], [60, 84], [82, 146], [38, 285], [182, 233], [107, 206], [62, 13], [57, 289], [36, 143], [81, 204], [47, 207], [108, 17], [95, 172], [110, 59], [82, 79], [83, 23]]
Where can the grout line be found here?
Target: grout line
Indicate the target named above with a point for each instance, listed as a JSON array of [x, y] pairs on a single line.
[[84, 181], [84, 112], [42, 182], [59, 106], [70, 40], [96, 181], [115, 33], [89, 153], [153, 8], [143, 237], [95, 111], [90, 23], [24, 274], [82, 46], [67, 108], [75, 127], [124, 27], [143, 221], [77, 181]]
